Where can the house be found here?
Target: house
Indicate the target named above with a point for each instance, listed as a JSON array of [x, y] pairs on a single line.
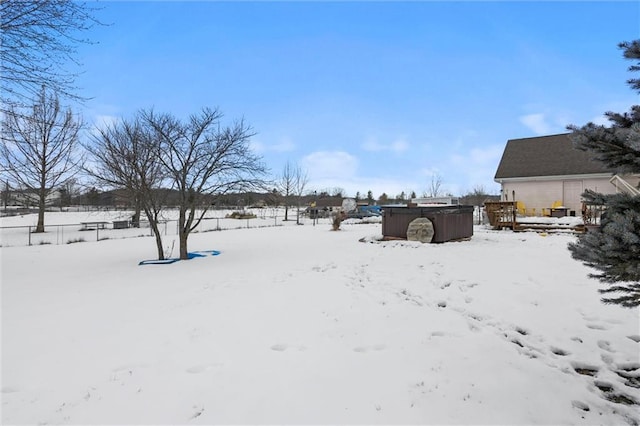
[[548, 171], [29, 197]]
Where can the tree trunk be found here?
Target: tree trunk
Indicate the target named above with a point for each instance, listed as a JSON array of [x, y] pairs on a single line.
[[41, 204], [137, 208], [184, 254], [183, 233], [153, 224], [156, 233]]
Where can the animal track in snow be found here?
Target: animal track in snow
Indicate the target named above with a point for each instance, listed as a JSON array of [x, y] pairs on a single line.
[[584, 369], [281, 347], [605, 346], [324, 268], [597, 327], [198, 411], [630, 373], [410, 297], [559, 351], [580, 405]]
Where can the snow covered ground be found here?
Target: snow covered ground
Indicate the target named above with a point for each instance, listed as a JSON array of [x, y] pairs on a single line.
[[299, 324]]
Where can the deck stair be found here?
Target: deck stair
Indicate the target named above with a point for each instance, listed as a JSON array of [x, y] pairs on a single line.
[[544, 225], [503, 215]]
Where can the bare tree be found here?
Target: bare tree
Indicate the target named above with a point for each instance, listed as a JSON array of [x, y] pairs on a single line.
[[286, 185], [38, 38], [435, 186], [301, 179], [203, 160], [38, 148], [337, 192], [477, 196], [6, 195], [68, 191], [125, 156]]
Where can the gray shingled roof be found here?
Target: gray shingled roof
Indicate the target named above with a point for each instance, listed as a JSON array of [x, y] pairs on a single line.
[[546, 156]]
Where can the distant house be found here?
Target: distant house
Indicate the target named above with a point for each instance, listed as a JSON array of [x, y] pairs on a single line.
[[548, 171], [29, 198]]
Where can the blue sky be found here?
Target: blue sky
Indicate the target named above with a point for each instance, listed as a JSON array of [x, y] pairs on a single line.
[[379, 96]]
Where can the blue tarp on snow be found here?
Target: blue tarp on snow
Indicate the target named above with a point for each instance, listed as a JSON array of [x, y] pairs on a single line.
[[191, 255]]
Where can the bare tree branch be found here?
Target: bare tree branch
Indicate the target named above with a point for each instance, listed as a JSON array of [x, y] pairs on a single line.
[[204, 160], [38, 151], [38, 40], [125, 155]]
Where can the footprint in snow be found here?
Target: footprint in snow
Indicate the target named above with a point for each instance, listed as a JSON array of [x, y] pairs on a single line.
[[198, 410], [584, 368], [580, 405], [597, 327], [281, 347], [605, 346], [559, 351]]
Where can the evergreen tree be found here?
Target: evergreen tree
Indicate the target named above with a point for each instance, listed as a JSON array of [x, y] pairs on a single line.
[[369, 197], [614, 249]]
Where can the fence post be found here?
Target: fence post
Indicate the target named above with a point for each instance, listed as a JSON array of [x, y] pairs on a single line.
[[29, 235], [97, 232]]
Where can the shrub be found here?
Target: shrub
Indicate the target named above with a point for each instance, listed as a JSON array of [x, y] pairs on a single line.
[[241, 215]]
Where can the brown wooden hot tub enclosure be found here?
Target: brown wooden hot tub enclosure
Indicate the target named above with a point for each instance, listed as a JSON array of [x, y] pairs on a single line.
[[449, 222]]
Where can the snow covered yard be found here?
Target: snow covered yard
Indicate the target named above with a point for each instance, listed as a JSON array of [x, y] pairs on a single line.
[[298, 324]]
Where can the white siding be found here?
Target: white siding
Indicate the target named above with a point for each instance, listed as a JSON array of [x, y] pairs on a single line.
[[539, 196], [536, 196], [572, 193]]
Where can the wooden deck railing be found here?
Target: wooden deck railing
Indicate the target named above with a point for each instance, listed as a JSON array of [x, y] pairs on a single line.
[[501, 214]]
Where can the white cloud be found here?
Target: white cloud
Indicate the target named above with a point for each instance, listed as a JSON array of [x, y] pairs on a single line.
[[488, 155], [429, 172], [397, 146], [537, 123], [339, 169], [476, 167], [283, 145], [102, 121], [330, 165], [362, 184]]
